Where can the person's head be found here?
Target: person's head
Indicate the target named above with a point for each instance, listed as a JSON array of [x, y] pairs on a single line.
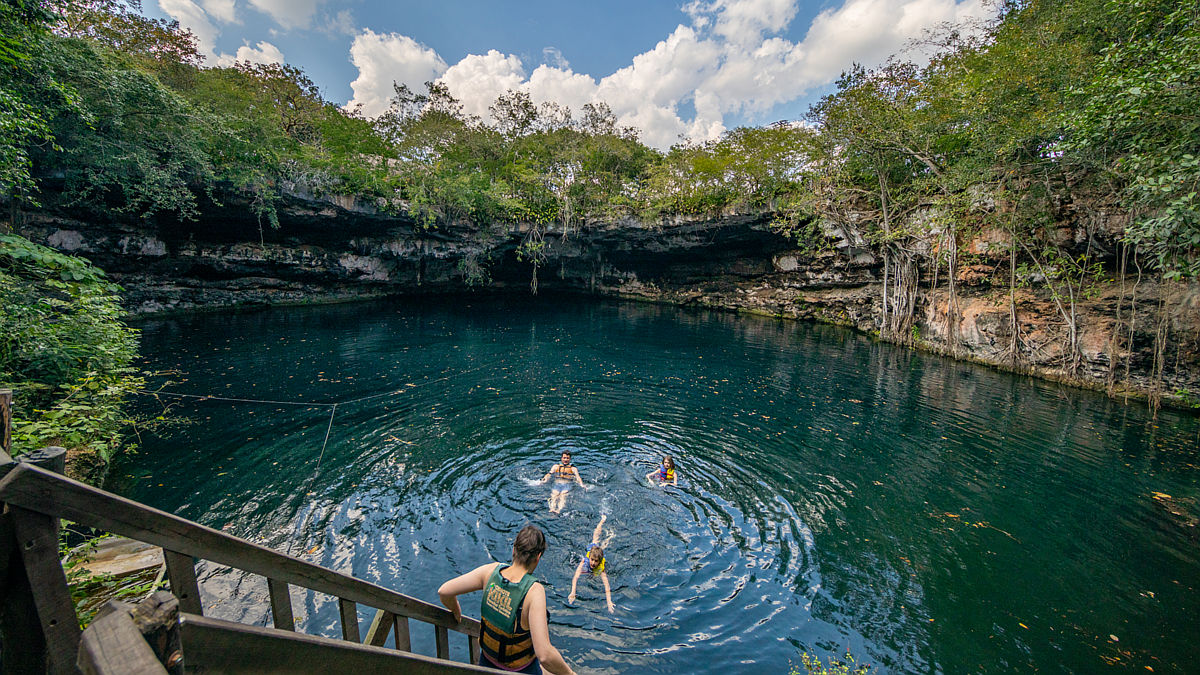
[[595, 555], [566, 458], [529, 547], [668, 462]]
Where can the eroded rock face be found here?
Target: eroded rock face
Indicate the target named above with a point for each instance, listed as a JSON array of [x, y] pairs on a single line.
[[328, 251]]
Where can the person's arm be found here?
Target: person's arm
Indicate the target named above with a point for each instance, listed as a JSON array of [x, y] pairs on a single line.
[[650, 476], [575, 580], [675, 478], [607, 592], [474, 580], [596, 534], [539, 629], [579, 479], [547, 476]]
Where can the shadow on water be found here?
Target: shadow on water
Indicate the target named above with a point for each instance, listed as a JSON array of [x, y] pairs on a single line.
[[835, 492]]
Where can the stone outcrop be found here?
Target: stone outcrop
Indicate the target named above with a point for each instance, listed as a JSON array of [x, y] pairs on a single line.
[[337, 250]]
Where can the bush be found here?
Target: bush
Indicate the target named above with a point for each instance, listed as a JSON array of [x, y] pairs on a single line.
[[65, 350]]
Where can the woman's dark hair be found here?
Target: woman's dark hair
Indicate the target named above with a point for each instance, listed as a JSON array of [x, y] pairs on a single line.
[[529, 545]]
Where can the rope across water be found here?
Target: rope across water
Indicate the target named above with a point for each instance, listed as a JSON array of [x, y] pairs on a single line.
[[333, 406]]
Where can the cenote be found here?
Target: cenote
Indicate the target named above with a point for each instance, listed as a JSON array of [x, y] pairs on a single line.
[[836, 492]]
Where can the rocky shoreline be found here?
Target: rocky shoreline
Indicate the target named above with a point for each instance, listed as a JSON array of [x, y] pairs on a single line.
[[337, 251]]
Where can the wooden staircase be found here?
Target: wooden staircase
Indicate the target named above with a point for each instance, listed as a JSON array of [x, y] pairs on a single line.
[[39, 630]]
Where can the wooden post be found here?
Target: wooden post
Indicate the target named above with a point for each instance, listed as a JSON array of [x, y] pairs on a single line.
[[157, 617], [473, 648], [349, 611], [24, 646], [46, 632], [113, 645], [152, 647], [400, 628], [442, 636], [181, 570], [5, 426], [281, 604]]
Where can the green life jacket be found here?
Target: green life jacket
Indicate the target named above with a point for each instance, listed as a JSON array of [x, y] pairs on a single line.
[[502, 640]]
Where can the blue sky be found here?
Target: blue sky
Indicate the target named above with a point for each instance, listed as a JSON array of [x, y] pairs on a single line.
[[672, 69]]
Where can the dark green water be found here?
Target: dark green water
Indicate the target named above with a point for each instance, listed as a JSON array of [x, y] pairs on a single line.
[[835, 492]]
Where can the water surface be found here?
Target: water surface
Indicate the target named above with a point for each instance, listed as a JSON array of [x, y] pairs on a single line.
[[835, 492]]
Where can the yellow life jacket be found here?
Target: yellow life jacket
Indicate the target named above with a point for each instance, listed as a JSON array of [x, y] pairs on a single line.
[[599, 566]]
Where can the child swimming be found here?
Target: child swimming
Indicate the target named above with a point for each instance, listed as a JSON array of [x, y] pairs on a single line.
[[665, 474], [563, 474], [593, 563]]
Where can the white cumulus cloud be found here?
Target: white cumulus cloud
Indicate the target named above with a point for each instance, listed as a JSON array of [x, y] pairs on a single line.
[[743, 22], [384, 58], [192, 17], [221, 10], [868, 31], [341, 23], [288, 13], [553, 56], [729, 60], [562, 86], [263, 52], [479, 79]]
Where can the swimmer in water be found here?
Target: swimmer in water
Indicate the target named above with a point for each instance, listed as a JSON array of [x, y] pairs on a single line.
[[593, 563], [664, 474], [563, 474]]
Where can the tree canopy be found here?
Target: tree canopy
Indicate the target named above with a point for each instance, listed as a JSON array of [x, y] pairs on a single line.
[[1005, 124]]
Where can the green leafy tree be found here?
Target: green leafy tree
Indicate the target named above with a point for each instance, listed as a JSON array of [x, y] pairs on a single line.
[[23, 25], [64, 348], [1138, 119], [129, 145]]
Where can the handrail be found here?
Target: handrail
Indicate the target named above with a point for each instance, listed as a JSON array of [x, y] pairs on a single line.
[[51, 494], [232, 648]]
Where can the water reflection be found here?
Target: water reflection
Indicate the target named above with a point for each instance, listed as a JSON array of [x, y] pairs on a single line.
[[836, 492]]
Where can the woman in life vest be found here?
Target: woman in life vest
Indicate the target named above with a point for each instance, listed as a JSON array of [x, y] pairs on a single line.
[[593, 563], [516, 632], [665, 473], [564, 475]]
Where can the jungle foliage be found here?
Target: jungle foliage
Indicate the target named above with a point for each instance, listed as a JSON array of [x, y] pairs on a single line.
[[1071, 118], [103, 108], [64, 349], [1034, 123]]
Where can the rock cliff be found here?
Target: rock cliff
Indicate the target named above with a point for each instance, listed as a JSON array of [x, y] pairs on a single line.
[[338, 250]]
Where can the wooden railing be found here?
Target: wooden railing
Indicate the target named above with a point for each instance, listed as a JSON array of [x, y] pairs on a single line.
[[35, 497], [152, 637]]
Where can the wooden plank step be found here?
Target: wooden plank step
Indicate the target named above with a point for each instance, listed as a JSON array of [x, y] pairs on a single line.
[[212, 645]]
